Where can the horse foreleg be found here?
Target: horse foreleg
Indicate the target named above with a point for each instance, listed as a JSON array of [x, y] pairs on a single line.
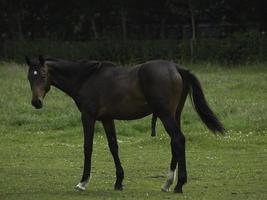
[[114, 149], [88, 127]]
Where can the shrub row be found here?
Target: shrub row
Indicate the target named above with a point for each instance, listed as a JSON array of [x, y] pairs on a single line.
[[232, 50]]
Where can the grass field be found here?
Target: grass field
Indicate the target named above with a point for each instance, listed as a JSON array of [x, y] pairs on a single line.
[[41, 154]]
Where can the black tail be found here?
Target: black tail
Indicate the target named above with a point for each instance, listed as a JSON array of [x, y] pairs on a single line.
[[199, 101]]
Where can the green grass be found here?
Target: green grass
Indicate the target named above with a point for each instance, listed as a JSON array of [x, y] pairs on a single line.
[[41, 153]]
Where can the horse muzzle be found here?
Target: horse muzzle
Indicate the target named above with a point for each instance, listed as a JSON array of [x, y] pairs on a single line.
[[37, 103]]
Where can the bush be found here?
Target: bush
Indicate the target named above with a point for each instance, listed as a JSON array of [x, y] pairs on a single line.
[[240, 48]]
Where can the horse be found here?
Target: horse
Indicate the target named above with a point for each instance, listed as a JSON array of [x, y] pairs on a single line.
[[104, 92]]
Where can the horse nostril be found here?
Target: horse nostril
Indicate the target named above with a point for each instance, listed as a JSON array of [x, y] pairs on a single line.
[[37, 103]]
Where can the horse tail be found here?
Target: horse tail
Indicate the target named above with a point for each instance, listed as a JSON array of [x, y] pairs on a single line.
[[199, 101]]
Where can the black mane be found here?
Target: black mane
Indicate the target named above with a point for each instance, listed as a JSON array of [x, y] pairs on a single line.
[[67, 64], [74, 66]]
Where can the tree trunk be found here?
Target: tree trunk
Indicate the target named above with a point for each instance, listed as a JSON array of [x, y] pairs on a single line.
[[262, 16], [94, 28], [162, 29], [124, 24], [20, 34], [193, 26]]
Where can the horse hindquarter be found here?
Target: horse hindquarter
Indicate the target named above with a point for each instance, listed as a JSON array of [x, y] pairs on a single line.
[[162, 86]]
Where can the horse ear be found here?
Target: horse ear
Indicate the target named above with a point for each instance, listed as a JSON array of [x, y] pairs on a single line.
[[28, 61], [41, 60]]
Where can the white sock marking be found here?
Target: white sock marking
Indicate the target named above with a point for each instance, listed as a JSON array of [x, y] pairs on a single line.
[[82, 186], [169, 181]]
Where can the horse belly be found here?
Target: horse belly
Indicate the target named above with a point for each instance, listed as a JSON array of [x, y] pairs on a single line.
[[124, 108], [130, 112]]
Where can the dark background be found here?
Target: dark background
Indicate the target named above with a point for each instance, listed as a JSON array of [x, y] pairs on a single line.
[[231, 31]]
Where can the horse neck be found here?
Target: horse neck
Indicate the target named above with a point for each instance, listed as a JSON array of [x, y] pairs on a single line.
[[64, 81]]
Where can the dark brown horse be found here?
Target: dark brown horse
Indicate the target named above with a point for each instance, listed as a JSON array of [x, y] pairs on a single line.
[[105, 92]]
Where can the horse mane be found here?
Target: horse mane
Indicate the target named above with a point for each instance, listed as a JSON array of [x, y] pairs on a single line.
[[83, 65]]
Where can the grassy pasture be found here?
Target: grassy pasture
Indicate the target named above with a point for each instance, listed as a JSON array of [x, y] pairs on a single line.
[[41, 153]]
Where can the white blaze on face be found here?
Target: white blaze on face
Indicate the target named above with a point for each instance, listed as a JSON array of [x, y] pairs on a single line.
[[35, 72]]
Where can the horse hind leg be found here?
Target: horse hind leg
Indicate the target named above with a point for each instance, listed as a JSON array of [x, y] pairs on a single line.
[[178, 154], [170, 179], [162, 87], [177, 147]]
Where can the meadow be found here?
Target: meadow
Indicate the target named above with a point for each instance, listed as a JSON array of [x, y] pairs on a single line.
[[41, 151]]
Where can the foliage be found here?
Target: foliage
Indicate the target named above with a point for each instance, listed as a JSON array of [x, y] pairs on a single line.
[[240, 48], [133, 19], [135, 30]]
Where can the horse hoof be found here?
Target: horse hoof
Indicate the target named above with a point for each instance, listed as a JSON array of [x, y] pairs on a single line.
[[80, 187], [164, 189], [118, 187], [178, 190]]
